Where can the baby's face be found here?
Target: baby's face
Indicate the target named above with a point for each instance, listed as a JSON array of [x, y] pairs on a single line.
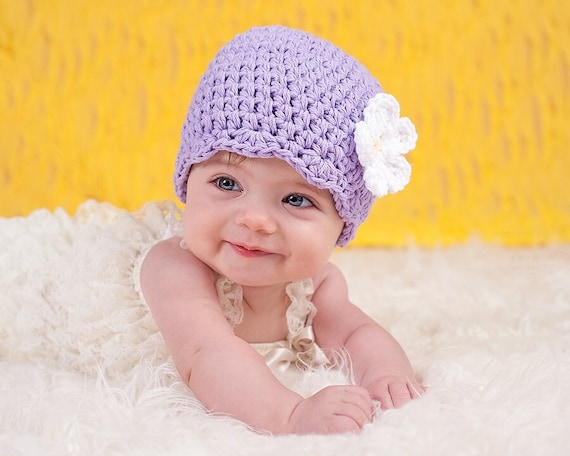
[[257, 222]]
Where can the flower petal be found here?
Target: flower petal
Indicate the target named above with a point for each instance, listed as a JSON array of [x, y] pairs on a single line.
[[382, 139]]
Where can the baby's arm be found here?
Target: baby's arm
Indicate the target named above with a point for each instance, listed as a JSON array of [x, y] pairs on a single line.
[[224, 371], [379, 362]]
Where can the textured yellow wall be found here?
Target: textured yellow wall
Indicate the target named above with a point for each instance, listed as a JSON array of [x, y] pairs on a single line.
[[93, 95]]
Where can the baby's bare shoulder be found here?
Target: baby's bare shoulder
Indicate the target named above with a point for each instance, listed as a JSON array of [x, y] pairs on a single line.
[[330, 276]]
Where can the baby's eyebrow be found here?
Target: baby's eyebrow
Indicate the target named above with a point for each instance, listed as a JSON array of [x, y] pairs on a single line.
[[225, 158]]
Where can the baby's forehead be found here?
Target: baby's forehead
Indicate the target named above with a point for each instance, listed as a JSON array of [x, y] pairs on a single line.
[[273, 166], [227, 157], [273, 163]]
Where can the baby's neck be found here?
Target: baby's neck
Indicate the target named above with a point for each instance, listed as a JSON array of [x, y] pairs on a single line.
[[262, 300], [264, 311]]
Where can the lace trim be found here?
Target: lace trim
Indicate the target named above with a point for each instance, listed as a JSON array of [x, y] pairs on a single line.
[[230, 295], [301, 311], [300, 348]]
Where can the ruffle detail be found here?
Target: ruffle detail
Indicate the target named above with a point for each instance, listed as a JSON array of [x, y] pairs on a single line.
[[300, 348], [71, 292], [230, 296]]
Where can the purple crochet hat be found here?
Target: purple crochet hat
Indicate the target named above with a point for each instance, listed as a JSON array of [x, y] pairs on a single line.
[[277, 92]]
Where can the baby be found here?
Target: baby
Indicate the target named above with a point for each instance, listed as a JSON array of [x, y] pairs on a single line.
[[287, 142]]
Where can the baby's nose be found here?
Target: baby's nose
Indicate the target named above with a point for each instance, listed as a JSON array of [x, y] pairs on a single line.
[[257, 218]]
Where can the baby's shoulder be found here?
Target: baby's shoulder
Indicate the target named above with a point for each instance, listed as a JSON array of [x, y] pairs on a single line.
[[329, 281], [169, 259]]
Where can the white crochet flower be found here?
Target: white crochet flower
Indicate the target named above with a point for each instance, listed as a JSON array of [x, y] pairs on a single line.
[[382, 139]]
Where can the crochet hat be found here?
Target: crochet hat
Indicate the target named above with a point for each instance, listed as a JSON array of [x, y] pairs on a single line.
[[277, 92]]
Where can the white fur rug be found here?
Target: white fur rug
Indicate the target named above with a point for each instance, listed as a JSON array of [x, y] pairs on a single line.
[[83, 370]]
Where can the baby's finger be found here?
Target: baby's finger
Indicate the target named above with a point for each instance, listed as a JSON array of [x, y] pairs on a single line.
[[360, 397], [360, 415], [399, 393], [416, 390], [385, 399], [354, 402]]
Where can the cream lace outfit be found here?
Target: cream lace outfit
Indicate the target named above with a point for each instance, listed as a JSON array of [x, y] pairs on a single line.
[[300, 348]]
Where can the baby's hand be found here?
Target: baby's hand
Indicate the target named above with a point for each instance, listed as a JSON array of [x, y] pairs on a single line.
[[393, 392], [334, 409]]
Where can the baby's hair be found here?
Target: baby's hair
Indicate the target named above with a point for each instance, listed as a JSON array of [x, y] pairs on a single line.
[[234, 157]]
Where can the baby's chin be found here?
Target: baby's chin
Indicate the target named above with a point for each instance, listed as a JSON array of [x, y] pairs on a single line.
[[257, 282]]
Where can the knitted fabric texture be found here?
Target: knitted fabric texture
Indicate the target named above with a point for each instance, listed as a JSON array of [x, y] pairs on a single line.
[[277, 92]]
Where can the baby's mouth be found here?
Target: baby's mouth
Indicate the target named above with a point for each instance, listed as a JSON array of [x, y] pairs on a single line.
[[248, 251]]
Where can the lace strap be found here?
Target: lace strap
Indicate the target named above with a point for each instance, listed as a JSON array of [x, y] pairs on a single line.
[[301, 312], [230, 296]]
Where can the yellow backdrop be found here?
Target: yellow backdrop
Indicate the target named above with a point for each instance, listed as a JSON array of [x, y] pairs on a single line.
[[93, 95]]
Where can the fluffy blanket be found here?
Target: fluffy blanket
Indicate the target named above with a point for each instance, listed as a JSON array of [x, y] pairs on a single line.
[[83, 369]]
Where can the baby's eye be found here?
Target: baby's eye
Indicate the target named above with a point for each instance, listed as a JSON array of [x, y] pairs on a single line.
[[227, 183], [297, 200]]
